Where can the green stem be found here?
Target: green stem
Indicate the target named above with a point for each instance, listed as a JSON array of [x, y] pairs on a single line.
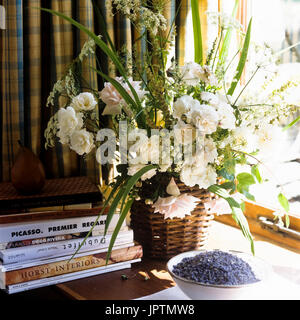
[[247, 84]]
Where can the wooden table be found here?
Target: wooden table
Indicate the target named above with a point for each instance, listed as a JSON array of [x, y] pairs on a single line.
[[144, 278], [150, 276]]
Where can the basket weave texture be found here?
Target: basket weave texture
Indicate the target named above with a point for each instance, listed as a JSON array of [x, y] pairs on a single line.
[[164, 239]]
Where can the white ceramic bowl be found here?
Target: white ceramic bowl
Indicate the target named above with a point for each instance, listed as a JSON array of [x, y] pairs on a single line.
[[198, 291]]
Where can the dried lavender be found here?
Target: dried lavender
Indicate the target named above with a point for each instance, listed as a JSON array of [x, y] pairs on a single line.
[[216, 268]]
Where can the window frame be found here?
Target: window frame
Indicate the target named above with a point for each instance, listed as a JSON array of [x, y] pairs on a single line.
[[253, 212]]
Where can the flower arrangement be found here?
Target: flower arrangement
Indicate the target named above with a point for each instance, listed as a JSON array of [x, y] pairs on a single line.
[[192, 124]]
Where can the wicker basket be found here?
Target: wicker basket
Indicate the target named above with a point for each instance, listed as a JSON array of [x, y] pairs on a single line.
[[164, 239]]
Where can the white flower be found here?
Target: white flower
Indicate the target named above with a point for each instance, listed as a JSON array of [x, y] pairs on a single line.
[[133, 169], [183, 105], [227, 118], [208, 77], [112, 98], [112, 109], [243, 138], [270, 141], [82, 141], [210, 97], [85, 101], [68, 122], [218, 207], [192, 72], [137, 86], [145, 150], [195, 173], [176, 206], [209, 152], [204, 117], [184, 133]]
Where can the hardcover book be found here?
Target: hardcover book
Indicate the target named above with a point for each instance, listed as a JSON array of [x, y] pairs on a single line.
[[66, 266], [21, 217], [56, 192], [29, 230], [62, 248], [25, 286], [53, 239]]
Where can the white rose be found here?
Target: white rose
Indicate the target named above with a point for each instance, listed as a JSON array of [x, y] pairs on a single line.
[[208, 77], [191, 73], [184, 133], [137, 86], [205, 118], [195, 174], [209, 152], [189, 174], [183, 105], [210, 97], [82, 141], [85, 101], [68, 122], [226, 116], [112, 98], [208, 178]]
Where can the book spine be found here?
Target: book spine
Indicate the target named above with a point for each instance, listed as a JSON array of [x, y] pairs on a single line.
[[62, 248], [76, 264], [53, 239], [38, 241], [19, 217], [38, 262], [25, 286], [17, 232]]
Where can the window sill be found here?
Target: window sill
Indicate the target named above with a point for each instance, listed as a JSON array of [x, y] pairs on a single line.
[[253, 211]]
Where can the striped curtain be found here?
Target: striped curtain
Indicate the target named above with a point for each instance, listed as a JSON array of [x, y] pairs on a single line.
[[36, 48]]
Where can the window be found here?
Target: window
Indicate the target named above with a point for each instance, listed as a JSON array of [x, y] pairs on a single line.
[[277, 25]]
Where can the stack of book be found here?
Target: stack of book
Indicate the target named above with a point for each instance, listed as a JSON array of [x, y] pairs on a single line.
[[39, 235]]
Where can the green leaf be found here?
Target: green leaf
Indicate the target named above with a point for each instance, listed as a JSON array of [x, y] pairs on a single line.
[[102, 45], [245, 179], [122, 196], [227, 39], [284, 202], [248, 195], [113, 207], [255, 172], [219, 191], [102, 25], [118, 227], [134, 179], [287, 220], [242, 61], [237, 213], [225, 174], [242, 222], [291, 124], [228, 185], [197, 31], [243, 206]]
